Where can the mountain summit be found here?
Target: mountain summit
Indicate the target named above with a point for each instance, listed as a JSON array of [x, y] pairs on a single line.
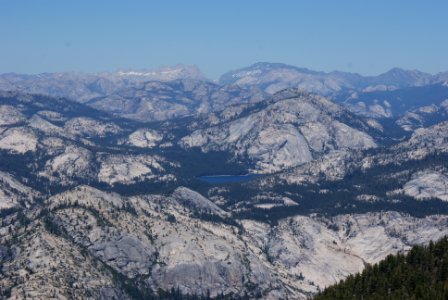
[[276, 76]]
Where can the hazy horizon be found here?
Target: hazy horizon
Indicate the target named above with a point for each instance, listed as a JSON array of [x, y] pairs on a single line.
[[219, 75], [101, 36]]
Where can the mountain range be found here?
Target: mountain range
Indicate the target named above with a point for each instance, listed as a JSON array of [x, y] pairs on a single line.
[[101, 190], [168, 92]]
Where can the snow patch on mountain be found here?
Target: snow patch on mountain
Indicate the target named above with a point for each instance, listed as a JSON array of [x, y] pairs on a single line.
[[167, 73]]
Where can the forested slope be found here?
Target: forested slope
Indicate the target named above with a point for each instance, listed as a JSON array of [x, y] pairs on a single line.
[[420, 274]]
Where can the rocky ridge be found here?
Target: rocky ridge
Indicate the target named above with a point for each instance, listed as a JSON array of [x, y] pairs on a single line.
[[291, 130], [156, 241]]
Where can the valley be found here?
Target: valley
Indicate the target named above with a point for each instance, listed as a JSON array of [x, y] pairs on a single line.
[[274, 182]]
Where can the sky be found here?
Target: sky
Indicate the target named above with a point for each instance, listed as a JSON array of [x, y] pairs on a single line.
[[367, 37]]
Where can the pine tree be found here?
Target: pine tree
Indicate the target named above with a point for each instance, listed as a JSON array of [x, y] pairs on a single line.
[[421, 274]]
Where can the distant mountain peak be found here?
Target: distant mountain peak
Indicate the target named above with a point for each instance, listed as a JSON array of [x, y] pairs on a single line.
[[261, 68], [400, 71], [166, 73], [402, 77], [273, 77]]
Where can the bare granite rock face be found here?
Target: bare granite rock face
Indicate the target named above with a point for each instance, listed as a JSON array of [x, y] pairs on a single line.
[[90, 127], [18, 140], [74, 162], [144, 138], [89, 234], [131, 168], [428, 184], [197, 202], [10, 115], [14, 194], [292, 130], [46, 266], [98, 207]]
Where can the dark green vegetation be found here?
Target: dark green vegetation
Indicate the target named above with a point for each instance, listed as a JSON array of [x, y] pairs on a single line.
[[420, 274], [326, 198], [340, 196]]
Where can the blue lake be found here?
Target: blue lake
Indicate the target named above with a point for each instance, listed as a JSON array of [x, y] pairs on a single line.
[[228, 178]]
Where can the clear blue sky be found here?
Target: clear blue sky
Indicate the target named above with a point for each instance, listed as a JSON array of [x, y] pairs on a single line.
[[368, 37]]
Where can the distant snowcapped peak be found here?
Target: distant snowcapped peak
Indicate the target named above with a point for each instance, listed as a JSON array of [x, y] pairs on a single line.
[[166, 73]]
